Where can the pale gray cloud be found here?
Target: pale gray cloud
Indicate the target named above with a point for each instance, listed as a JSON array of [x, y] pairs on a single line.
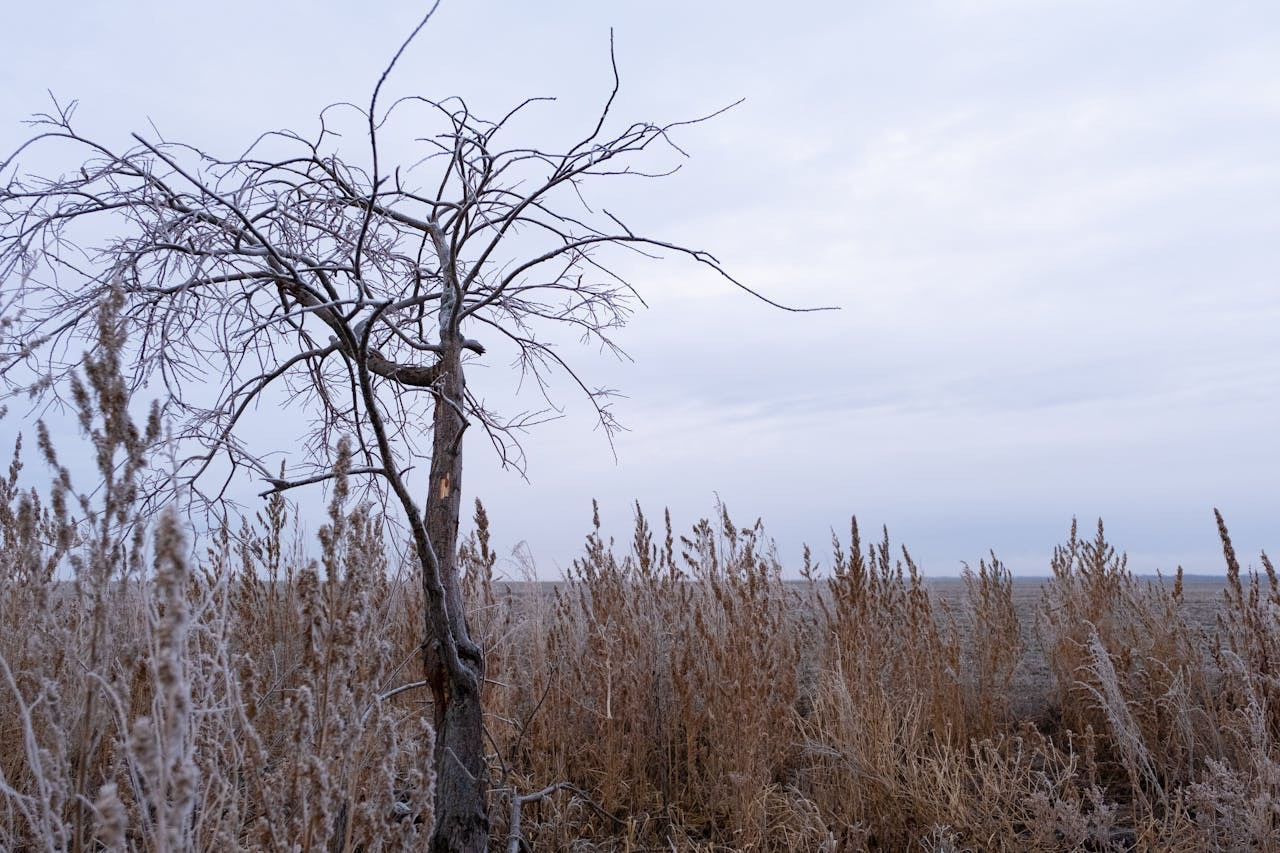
[[1052, 227]]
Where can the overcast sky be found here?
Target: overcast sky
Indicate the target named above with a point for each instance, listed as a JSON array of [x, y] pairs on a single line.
[[1053, 229]]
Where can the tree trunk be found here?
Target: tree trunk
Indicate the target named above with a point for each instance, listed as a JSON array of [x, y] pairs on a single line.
[[462, 783], [461, 801]]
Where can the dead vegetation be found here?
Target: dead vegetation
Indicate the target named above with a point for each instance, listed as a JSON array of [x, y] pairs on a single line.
[[673, 693]]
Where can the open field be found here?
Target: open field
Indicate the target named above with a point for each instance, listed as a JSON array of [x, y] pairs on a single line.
[[1032, 680], [679, 692]]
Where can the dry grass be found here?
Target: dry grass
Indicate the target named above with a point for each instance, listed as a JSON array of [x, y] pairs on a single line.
[[675, 693]]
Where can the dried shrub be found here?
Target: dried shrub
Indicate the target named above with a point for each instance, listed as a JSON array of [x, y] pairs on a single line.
[[224, 703]]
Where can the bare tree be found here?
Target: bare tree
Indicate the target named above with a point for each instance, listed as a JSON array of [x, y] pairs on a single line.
[[289, 274]]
